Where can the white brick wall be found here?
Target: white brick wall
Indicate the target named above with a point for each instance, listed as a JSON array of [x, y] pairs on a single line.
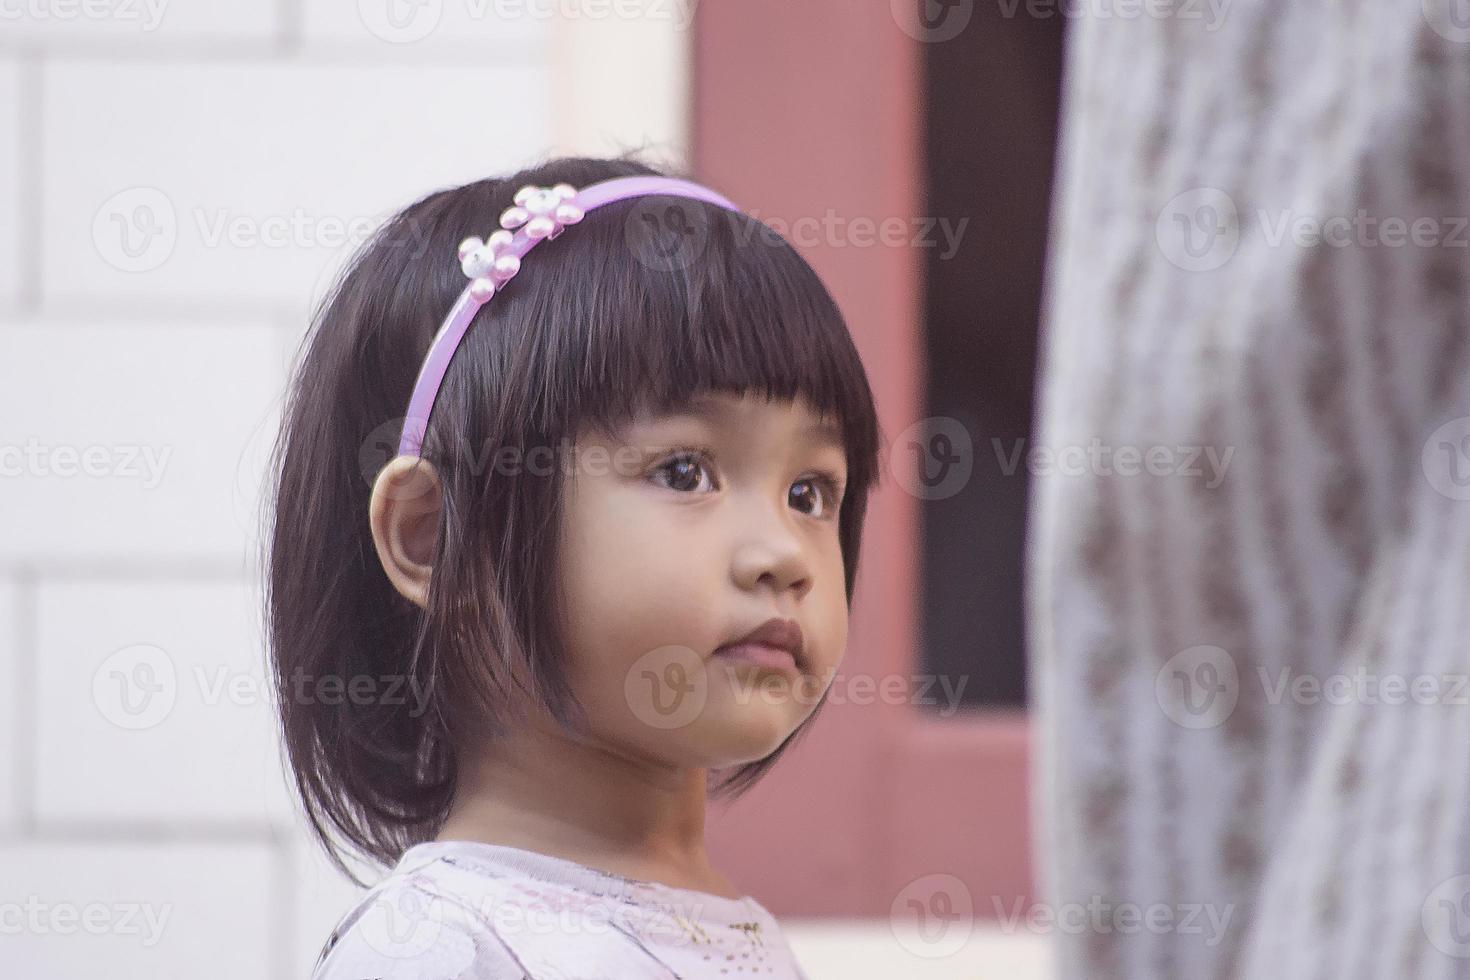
[[11, 151], [257, 208], [158, 694], [143, 910], [119, 25], [15, 762], [149, 157], [138, 437]]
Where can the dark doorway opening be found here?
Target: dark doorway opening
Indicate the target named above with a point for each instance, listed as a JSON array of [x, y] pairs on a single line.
[[990, 121]]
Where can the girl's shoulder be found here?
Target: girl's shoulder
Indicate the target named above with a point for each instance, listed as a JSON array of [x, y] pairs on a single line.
[[473, 911], [410, 926]]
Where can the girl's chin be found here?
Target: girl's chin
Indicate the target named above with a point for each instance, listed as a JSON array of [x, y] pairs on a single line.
[[746, 733]]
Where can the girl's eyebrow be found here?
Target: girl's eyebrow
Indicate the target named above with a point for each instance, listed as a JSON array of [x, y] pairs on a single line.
[[825, 433]]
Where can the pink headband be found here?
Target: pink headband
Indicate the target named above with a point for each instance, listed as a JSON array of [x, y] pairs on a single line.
[[541, 213]]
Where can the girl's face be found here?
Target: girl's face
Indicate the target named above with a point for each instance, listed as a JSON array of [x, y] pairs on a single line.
[[683, 533]]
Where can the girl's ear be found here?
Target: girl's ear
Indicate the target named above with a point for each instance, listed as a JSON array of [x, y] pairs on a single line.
[[404, 514]]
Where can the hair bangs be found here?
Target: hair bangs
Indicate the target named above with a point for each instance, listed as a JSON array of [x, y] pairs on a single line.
[[651, 302]]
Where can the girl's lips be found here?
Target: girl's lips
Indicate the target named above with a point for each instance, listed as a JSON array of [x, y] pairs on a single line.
[[760, 655]]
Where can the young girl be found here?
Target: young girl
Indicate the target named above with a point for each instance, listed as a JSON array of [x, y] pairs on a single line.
[[606, 575]]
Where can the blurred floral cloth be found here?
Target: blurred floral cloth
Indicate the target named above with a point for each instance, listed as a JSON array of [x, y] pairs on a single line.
[[1248, 613]]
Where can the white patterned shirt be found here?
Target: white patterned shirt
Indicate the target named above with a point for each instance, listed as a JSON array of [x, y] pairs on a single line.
[[466, 910]]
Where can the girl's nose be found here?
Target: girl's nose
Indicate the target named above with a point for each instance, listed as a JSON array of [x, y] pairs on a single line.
[[773, 559]]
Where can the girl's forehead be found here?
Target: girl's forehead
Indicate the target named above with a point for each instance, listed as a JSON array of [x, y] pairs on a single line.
[[741, 414], [717, 405], [717, 411], [732, 408]]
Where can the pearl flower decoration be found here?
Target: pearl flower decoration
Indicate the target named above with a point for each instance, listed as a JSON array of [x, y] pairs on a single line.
[[545, 211], [487, 264]]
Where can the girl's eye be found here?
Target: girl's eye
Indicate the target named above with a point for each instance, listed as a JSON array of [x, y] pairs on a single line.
[[689, 471], [686, 472], [815, 496]]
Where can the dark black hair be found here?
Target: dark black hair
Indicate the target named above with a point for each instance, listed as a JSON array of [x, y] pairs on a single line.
[[642, 305]]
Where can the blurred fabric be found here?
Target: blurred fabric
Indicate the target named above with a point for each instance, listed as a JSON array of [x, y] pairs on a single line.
[[1234, 268]]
